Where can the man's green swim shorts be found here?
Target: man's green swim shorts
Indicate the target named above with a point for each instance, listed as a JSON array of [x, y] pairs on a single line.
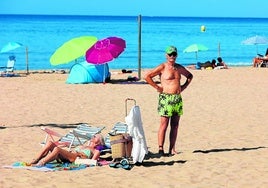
[[170, 104]]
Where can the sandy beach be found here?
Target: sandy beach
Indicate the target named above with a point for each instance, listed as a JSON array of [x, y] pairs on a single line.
[[222, 137]]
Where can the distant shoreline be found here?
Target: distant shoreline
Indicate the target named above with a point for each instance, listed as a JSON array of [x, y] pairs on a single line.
[[113, 71], [130, 16]]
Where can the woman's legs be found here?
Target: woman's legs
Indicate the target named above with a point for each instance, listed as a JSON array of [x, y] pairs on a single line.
[[46, 149], [51, 152], [59, 153]]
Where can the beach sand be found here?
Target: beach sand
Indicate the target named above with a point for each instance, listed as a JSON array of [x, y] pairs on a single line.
[[222, 137]]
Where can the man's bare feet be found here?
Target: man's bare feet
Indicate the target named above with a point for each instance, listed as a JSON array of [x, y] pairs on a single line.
[[173, 152], [161, 151]]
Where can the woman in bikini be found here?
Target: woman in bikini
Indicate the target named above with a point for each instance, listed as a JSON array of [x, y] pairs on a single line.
[[51, 152]]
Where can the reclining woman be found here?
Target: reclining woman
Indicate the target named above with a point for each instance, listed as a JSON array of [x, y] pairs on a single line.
[[205, 65], [51, 152]]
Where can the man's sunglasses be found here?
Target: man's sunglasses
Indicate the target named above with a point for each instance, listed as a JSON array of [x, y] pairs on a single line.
[[174, 54]]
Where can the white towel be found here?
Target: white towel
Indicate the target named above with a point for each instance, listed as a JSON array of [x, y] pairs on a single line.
[[135, 130]]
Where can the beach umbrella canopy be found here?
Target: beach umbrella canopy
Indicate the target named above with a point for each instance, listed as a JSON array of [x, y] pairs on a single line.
[[255, 40], [195, 48], [10, 46], [105, 50], [72, 50]]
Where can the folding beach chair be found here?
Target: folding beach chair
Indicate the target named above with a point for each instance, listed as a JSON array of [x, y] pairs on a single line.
[[118, 128], [78, 136], [9, 69]]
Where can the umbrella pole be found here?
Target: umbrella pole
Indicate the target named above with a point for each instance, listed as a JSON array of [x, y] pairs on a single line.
[[219, 49], [139, 48], [196, 55], [27, 64], [103, 79]]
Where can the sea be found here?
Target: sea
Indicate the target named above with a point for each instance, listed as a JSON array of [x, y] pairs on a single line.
[[43, 34]]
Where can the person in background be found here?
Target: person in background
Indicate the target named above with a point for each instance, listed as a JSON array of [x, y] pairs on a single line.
[[170, 105], [221, 64], [213, 64], [51, 152], [205, 65], [257, 61]]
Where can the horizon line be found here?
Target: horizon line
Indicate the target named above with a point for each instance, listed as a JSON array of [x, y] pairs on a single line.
[[83, 15]]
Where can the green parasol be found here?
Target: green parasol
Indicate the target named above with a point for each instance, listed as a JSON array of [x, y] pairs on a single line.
[[72, 49], [195, 48]]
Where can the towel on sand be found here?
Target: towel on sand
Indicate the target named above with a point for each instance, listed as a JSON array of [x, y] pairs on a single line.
[[53, 166]]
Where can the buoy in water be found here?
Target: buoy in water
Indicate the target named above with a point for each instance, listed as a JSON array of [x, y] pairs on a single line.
[[203, 28]]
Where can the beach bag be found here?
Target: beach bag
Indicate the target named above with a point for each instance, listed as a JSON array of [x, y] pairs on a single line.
[[121, 145]]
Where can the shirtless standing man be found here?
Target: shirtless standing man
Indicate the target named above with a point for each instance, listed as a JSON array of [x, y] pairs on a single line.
[[170, 106]]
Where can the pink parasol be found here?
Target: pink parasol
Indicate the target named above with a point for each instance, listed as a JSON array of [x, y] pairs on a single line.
[[105, 50]]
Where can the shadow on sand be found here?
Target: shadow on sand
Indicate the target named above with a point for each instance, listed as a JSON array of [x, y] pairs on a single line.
[[227, 149], [150, 155], [62, 126], [161, 163]]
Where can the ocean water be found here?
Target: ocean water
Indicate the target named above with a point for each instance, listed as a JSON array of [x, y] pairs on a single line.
[[44, 34]]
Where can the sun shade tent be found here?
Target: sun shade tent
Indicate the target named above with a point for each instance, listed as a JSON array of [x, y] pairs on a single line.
[[83, 73]]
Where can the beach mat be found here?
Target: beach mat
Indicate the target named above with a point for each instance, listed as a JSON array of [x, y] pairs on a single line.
[[42, 169], [49, 167]]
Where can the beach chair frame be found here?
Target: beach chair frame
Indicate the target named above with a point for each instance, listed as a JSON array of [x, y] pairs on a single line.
[[78, 136]]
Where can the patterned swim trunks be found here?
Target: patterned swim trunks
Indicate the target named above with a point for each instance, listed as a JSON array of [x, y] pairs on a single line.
[[170, 104]]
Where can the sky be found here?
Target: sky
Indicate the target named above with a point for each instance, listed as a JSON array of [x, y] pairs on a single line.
[[184, 8]]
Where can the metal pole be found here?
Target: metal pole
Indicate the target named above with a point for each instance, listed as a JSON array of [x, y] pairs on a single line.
[[139, 47], [219, 49], [27, 64]]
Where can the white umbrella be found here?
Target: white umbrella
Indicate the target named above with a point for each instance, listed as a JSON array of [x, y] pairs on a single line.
[[256, 40]]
